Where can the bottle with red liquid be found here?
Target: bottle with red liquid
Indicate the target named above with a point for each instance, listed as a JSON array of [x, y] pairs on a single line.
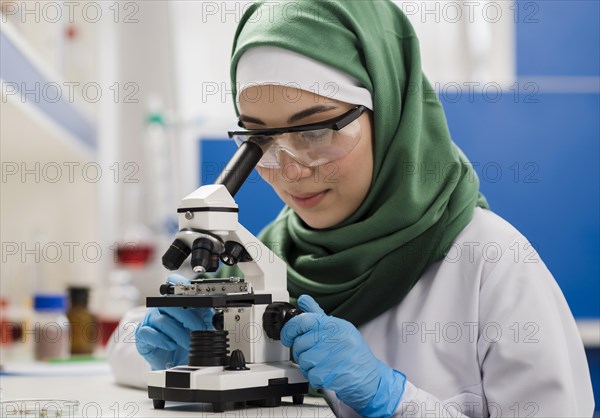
[[132, 256], [6, 333], [119, 297]]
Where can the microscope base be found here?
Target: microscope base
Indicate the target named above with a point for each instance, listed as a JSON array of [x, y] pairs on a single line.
[[269, 396], [263, 385]]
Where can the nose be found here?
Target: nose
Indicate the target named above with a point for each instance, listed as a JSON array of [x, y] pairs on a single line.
[[292, 169]]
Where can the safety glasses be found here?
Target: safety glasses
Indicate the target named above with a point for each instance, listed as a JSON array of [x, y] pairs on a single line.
[[311, 145]]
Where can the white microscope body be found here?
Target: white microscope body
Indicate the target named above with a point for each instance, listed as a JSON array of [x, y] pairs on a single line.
[[209, 230]]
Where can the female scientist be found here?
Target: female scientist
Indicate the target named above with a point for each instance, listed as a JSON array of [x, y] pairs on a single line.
[[424, 301]]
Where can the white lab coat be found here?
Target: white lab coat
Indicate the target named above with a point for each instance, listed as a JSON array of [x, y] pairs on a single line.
[[484, 332]]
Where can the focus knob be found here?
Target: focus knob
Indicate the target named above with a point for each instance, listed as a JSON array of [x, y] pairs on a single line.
[[275, 317]]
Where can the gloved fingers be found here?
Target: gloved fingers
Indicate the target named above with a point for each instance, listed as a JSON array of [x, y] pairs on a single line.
[[319, 338], [307, 304], [317, 377], [148, 339], [180, 357], [328, 334], [299, 325], [158, 359], [177, 279], [168, 326], [313, 357], [163, 359], [191, 318], [303, 343]]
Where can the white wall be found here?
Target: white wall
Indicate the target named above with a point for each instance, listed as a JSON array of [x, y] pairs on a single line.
[[461, 41], [465, 41], [203, 35]]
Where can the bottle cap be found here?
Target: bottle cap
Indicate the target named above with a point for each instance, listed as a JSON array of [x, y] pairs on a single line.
[[56, 302], [79, 295], [155, 118]]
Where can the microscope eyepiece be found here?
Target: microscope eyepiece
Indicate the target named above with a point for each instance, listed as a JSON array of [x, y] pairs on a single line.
[[176, 255], [240, 166]]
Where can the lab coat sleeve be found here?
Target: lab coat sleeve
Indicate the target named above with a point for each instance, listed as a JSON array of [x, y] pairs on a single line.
[[419, 403], [414, 403], [531, 355], [128, 367]]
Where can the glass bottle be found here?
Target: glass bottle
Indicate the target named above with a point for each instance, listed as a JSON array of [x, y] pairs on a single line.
[[51, 327], [84, 329]]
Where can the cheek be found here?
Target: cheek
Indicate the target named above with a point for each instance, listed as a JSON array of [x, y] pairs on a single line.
[[270, 177], [354, 179], [330, 173], [357, 174], [265, 174], [358, 165]]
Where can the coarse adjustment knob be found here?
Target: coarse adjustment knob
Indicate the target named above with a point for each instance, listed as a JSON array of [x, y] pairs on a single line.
[[275, 317]]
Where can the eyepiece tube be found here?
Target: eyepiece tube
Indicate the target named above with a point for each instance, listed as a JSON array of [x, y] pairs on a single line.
[[240, 166]]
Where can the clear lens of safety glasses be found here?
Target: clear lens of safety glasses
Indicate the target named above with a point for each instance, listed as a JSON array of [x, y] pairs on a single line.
[[310, 145]]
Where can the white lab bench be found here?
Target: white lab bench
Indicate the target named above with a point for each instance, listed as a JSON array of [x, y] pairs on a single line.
[[98, 396]]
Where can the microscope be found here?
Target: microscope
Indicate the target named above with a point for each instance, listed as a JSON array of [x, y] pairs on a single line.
[[242, 361]]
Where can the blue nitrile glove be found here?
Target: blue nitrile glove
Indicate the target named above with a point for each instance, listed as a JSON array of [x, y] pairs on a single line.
[[333, 355], [163, 337]]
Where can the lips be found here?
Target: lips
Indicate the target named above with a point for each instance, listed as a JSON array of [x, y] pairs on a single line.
[[308, 200]]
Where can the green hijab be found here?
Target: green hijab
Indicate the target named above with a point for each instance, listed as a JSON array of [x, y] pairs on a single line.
[[423, 191]]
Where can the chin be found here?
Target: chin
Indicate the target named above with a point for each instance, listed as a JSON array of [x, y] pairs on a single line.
[[316, 222]]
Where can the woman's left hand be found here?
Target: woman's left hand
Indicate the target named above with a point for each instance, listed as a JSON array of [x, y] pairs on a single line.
[[332, 354]]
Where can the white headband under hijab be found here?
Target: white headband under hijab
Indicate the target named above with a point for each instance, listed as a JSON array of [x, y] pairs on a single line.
[[277, 66]]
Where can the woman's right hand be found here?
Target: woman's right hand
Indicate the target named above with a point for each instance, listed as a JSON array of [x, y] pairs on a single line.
[[163, 337]]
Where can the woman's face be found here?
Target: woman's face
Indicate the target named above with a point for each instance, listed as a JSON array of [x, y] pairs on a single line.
[[322, 196]]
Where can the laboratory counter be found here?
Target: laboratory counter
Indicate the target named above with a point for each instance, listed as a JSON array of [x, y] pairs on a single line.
[[90, 391]]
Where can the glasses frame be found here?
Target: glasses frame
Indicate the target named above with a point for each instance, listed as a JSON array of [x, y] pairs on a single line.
[[336, 124]]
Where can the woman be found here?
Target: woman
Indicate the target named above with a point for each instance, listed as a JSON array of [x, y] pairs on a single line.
[[417, 298]]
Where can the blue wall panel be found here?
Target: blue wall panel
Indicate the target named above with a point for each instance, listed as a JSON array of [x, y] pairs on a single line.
[[558, 38], [539, 168], [258, 203]]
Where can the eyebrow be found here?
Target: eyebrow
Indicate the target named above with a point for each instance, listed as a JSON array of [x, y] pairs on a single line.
[[295, 117]]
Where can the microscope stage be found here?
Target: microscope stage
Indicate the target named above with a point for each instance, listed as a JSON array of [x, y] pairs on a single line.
[[208, 301]]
